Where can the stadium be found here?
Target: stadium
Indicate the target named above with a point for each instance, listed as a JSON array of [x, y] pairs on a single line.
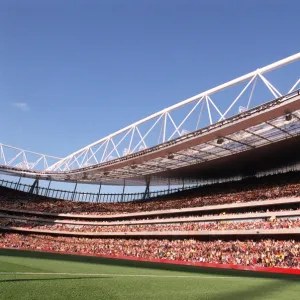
[[225, 213]]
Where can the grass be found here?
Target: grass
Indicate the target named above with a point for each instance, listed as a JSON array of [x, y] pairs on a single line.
[[91, 278]]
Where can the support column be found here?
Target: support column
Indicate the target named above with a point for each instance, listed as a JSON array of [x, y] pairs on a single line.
[[73, 195], [123, 191], [183, 183], [48, 189], [35, 185], [147, 189], [169, 183], [98, 197]]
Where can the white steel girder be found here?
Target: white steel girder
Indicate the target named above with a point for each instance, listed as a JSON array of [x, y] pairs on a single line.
[[24, 159], [170, 129]]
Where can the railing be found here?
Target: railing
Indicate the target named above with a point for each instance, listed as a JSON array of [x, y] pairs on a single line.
[[128, 197], [89, 197]]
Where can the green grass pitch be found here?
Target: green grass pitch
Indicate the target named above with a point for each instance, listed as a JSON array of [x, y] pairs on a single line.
[[29, 275]]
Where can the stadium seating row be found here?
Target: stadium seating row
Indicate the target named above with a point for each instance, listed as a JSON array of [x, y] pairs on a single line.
[[263, 252], [252, 215], [255, 189], [277, 223]]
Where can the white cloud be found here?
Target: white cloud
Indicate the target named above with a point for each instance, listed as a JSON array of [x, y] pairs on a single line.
[[23, 106]]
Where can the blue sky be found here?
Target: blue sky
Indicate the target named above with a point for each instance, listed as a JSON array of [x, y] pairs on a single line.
[[72, 72]]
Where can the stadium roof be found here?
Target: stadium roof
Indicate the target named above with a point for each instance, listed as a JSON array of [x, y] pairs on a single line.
[[269, 131], [265, 136]]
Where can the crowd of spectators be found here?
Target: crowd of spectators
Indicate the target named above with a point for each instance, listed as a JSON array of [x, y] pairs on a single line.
[[284, 185], [272, 223], [265, 252]]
